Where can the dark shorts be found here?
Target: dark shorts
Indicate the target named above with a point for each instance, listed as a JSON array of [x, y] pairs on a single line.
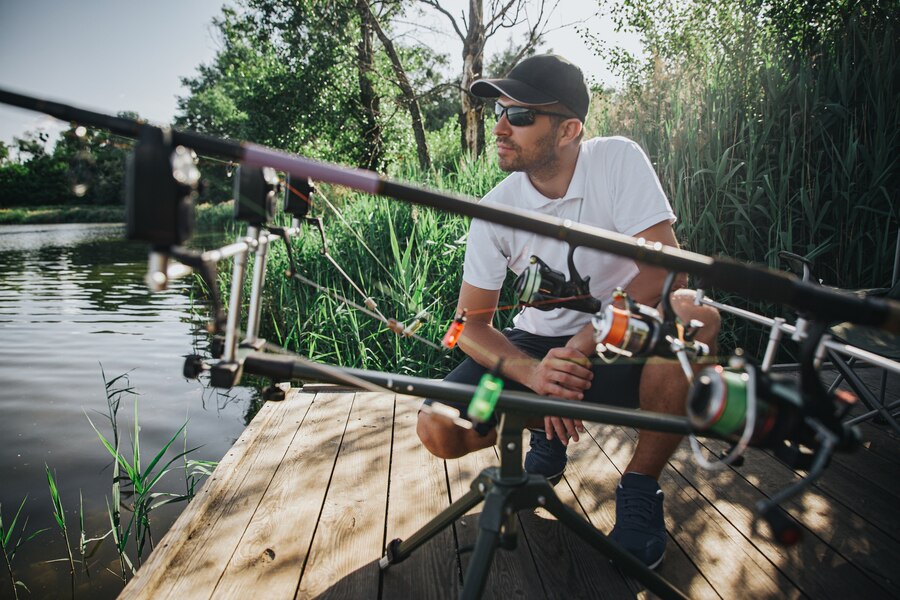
[[619, 382]]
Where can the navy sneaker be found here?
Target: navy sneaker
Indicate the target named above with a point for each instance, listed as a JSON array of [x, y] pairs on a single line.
[[546, 457], [640, 527]]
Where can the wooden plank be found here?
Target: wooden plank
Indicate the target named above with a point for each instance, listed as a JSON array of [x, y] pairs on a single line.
[[199, 540], [593, 475], [272, 551], [729, 562], [512, 573], [417, 493], [349, 539], [867, 500], [878, 471], [880, 441], [735, 498], [858, 541]]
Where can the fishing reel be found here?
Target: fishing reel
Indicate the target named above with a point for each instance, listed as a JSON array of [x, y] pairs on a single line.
[[636, 330], [161, 183], [745, 405], [799, 421], [540, 286], [255, 190]]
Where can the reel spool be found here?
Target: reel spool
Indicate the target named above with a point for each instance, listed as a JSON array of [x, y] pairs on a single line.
[[719, 401], [621, 331], [539, 283], [544, 288]]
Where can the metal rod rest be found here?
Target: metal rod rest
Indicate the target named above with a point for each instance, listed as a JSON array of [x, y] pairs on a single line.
[[285, 368]]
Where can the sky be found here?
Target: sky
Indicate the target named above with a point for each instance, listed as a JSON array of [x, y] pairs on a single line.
[[118, 55]]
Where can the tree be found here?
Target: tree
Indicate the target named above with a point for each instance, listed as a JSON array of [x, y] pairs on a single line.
[[365, 56], [473, 32], [409, 95], [287, 77]]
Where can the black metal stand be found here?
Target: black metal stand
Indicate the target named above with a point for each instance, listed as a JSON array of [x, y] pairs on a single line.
[[506, 490]]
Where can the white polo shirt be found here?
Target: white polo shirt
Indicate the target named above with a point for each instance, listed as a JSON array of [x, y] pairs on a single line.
[[614, 187]]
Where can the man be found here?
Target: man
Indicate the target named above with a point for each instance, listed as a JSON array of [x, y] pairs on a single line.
[[604, 182]]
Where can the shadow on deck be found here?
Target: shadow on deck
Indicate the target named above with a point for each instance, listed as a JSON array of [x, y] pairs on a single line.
[[304, 502]]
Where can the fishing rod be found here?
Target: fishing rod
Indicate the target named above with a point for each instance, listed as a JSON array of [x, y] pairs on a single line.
[[754, 282]]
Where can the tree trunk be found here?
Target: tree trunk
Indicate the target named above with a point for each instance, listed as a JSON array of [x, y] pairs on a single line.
[[409, 95], [372, 155], [471, 119]]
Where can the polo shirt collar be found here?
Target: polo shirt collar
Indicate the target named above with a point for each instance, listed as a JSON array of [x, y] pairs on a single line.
[[533, 199]]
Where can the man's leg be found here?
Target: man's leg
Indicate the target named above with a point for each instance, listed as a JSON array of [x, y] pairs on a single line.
[[640, 526], [664, 388], [441, 436]]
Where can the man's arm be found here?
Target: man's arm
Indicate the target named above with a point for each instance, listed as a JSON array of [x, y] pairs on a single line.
[[563, 373]]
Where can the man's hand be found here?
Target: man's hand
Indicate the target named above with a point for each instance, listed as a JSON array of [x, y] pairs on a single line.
[[563, 373]]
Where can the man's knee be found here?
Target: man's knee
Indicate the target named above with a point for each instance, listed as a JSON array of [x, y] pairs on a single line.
[[683, 304], [439, 436], [446, 440]]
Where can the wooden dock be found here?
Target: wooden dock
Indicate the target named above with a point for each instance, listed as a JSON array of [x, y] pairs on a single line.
[[303, 504]]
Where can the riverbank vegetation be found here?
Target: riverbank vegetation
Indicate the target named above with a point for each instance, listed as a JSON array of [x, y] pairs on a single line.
[[61, 213]]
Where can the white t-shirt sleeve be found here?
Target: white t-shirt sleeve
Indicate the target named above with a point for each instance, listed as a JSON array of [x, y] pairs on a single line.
[[485, 265], [638, 198]]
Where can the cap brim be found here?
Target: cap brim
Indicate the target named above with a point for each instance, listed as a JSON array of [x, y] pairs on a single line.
[[515, 90]]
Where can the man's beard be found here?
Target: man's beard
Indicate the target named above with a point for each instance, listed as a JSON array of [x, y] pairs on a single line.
[[542, 158]]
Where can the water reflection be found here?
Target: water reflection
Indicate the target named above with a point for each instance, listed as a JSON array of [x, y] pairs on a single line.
[[72, 299]]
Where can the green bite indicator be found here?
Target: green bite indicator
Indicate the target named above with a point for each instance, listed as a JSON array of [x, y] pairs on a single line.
[[485, 399]]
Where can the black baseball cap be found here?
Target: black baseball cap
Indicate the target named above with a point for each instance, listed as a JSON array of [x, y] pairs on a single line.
[[540, 80]]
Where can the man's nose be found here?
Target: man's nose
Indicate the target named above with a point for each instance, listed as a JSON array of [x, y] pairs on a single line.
[[502, 127]]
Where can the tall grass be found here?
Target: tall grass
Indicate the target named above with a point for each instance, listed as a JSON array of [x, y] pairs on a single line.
[[764, 149], [59, 516], [407, 258], [140, 484]]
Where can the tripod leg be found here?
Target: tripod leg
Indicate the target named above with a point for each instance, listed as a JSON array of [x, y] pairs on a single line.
[[480, 564], [398, 550], [623, 559]]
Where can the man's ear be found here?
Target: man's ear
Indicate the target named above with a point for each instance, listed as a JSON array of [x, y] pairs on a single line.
[[570, 130]]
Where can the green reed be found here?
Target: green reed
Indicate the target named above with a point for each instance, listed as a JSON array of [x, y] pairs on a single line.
[[418, 250], [135, 490], [11, 540], [59, 516]]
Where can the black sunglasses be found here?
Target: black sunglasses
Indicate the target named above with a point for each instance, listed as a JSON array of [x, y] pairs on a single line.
[[521, 116]]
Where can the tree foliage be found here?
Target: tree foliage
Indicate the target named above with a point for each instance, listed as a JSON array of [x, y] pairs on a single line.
[[301, 75], [86, 166]]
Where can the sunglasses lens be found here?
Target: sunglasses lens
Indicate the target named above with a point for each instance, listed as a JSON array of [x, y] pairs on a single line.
[[518, 116]]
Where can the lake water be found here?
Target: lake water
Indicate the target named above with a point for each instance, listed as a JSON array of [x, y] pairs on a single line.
[[72, 300]]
